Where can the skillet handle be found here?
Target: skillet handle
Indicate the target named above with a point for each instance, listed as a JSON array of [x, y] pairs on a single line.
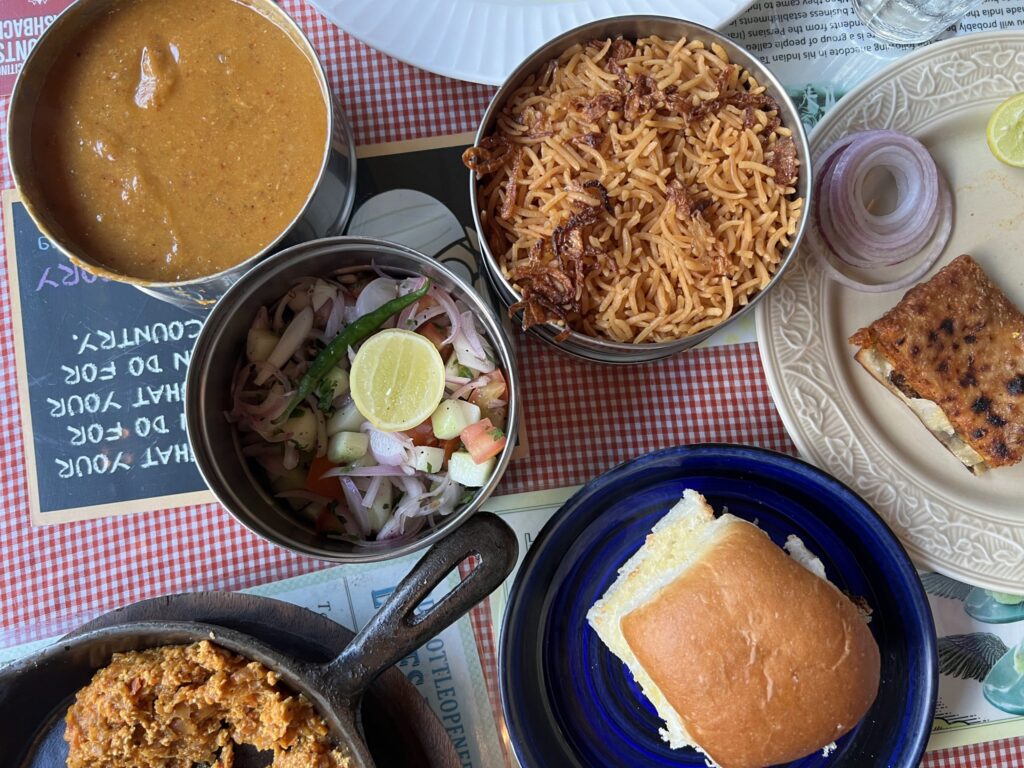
[[395, 631]]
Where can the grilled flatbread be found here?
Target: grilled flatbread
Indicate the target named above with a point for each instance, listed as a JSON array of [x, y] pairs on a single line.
[[953, 350]]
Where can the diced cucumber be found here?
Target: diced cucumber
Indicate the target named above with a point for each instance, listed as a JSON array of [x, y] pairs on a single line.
[[334, 383], [464, 471], [345, 419], [453, 369], [259, 343], [302, 425], [292, 480], [380, 511], [427, 459], [347, 446], [453, 416]]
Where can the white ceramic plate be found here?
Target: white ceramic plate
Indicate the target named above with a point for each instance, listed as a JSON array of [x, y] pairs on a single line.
[[484, 40], [970, 528]]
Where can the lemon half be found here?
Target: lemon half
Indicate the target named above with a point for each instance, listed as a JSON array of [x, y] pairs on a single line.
[[397, 379], [1005, 131]]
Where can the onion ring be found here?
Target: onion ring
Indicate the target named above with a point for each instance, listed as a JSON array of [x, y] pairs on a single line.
[[854, 237]]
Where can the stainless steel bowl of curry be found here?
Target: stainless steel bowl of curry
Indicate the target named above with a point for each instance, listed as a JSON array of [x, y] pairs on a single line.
[[172, 144]]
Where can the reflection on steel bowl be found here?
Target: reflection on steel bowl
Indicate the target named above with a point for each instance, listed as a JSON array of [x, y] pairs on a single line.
[[638, 183], [321, 458], [171, 144]]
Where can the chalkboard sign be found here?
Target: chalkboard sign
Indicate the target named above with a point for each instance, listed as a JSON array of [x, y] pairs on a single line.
[[101, 380]]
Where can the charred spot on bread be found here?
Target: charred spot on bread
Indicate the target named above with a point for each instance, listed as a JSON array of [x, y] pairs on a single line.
[[1015, 386], [982, 404]]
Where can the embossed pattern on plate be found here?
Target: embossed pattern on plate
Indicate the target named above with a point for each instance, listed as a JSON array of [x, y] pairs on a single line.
[[971, 528]]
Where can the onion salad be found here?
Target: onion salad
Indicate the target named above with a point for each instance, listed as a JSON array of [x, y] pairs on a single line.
[[298, 422], [876, 252]]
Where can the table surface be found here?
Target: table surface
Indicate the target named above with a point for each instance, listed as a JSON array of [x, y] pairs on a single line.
[[53, 578]]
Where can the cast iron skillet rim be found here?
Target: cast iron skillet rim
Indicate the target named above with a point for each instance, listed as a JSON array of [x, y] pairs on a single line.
[[895, 552]]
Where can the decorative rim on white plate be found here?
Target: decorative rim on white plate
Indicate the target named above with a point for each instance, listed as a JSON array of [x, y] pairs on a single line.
[[484, 40], [965, 534]]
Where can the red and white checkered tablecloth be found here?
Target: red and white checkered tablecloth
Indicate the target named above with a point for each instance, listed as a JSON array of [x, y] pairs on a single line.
[[55, 577]]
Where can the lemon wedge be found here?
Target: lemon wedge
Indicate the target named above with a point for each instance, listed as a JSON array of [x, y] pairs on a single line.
[[397, 379], [1005, 131]]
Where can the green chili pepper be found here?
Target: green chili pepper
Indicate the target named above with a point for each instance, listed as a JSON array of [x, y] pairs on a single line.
[[338, 348]]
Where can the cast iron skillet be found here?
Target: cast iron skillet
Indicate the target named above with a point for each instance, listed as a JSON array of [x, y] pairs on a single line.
[[333, 688]]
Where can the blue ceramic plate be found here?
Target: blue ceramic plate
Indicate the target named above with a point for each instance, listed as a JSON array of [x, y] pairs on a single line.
[[569, 702]]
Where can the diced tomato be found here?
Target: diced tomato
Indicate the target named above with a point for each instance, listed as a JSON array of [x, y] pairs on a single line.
[[323, 486], [450, 447], [491, 398], [427, 302], [483, 440], [422, 434], [434, 334]]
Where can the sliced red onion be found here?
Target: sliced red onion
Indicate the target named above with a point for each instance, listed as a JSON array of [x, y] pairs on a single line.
[[355, 506], [479, 381], [466, 356], [856, 239], [441, 297], [411, 284], [399, 528], [378, 470], [376, 294], [405, 317], [334, 320], [468, 329], [410, 320], [371, 491], [386, 447], [457, 381], [268, 370], [291, 456], [840, 272], [262, 321], [270, 408], [292, 338], [323, 292]]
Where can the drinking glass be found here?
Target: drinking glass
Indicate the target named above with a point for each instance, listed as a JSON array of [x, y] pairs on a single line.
[[911, 21]]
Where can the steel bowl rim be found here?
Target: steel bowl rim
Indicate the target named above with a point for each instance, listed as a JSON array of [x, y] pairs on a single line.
[[235, 300], [580, 345], [335, 117]]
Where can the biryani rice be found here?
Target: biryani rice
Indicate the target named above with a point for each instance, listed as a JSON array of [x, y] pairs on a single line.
[[700, 209]]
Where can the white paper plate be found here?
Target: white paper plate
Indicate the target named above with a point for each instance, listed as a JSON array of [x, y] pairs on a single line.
[[971, 528], [484, 40]]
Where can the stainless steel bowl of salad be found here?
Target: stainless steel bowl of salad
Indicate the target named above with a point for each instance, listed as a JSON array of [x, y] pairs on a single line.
[[352, 400]]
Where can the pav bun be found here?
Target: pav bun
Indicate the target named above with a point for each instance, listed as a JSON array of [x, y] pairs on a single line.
[[748, 654]]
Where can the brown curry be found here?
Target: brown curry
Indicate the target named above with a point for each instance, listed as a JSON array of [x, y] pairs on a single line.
[[176, 138]]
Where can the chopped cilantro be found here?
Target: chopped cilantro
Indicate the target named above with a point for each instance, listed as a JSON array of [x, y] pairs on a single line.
[[325, 393], [430, 468], [496, 433]]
